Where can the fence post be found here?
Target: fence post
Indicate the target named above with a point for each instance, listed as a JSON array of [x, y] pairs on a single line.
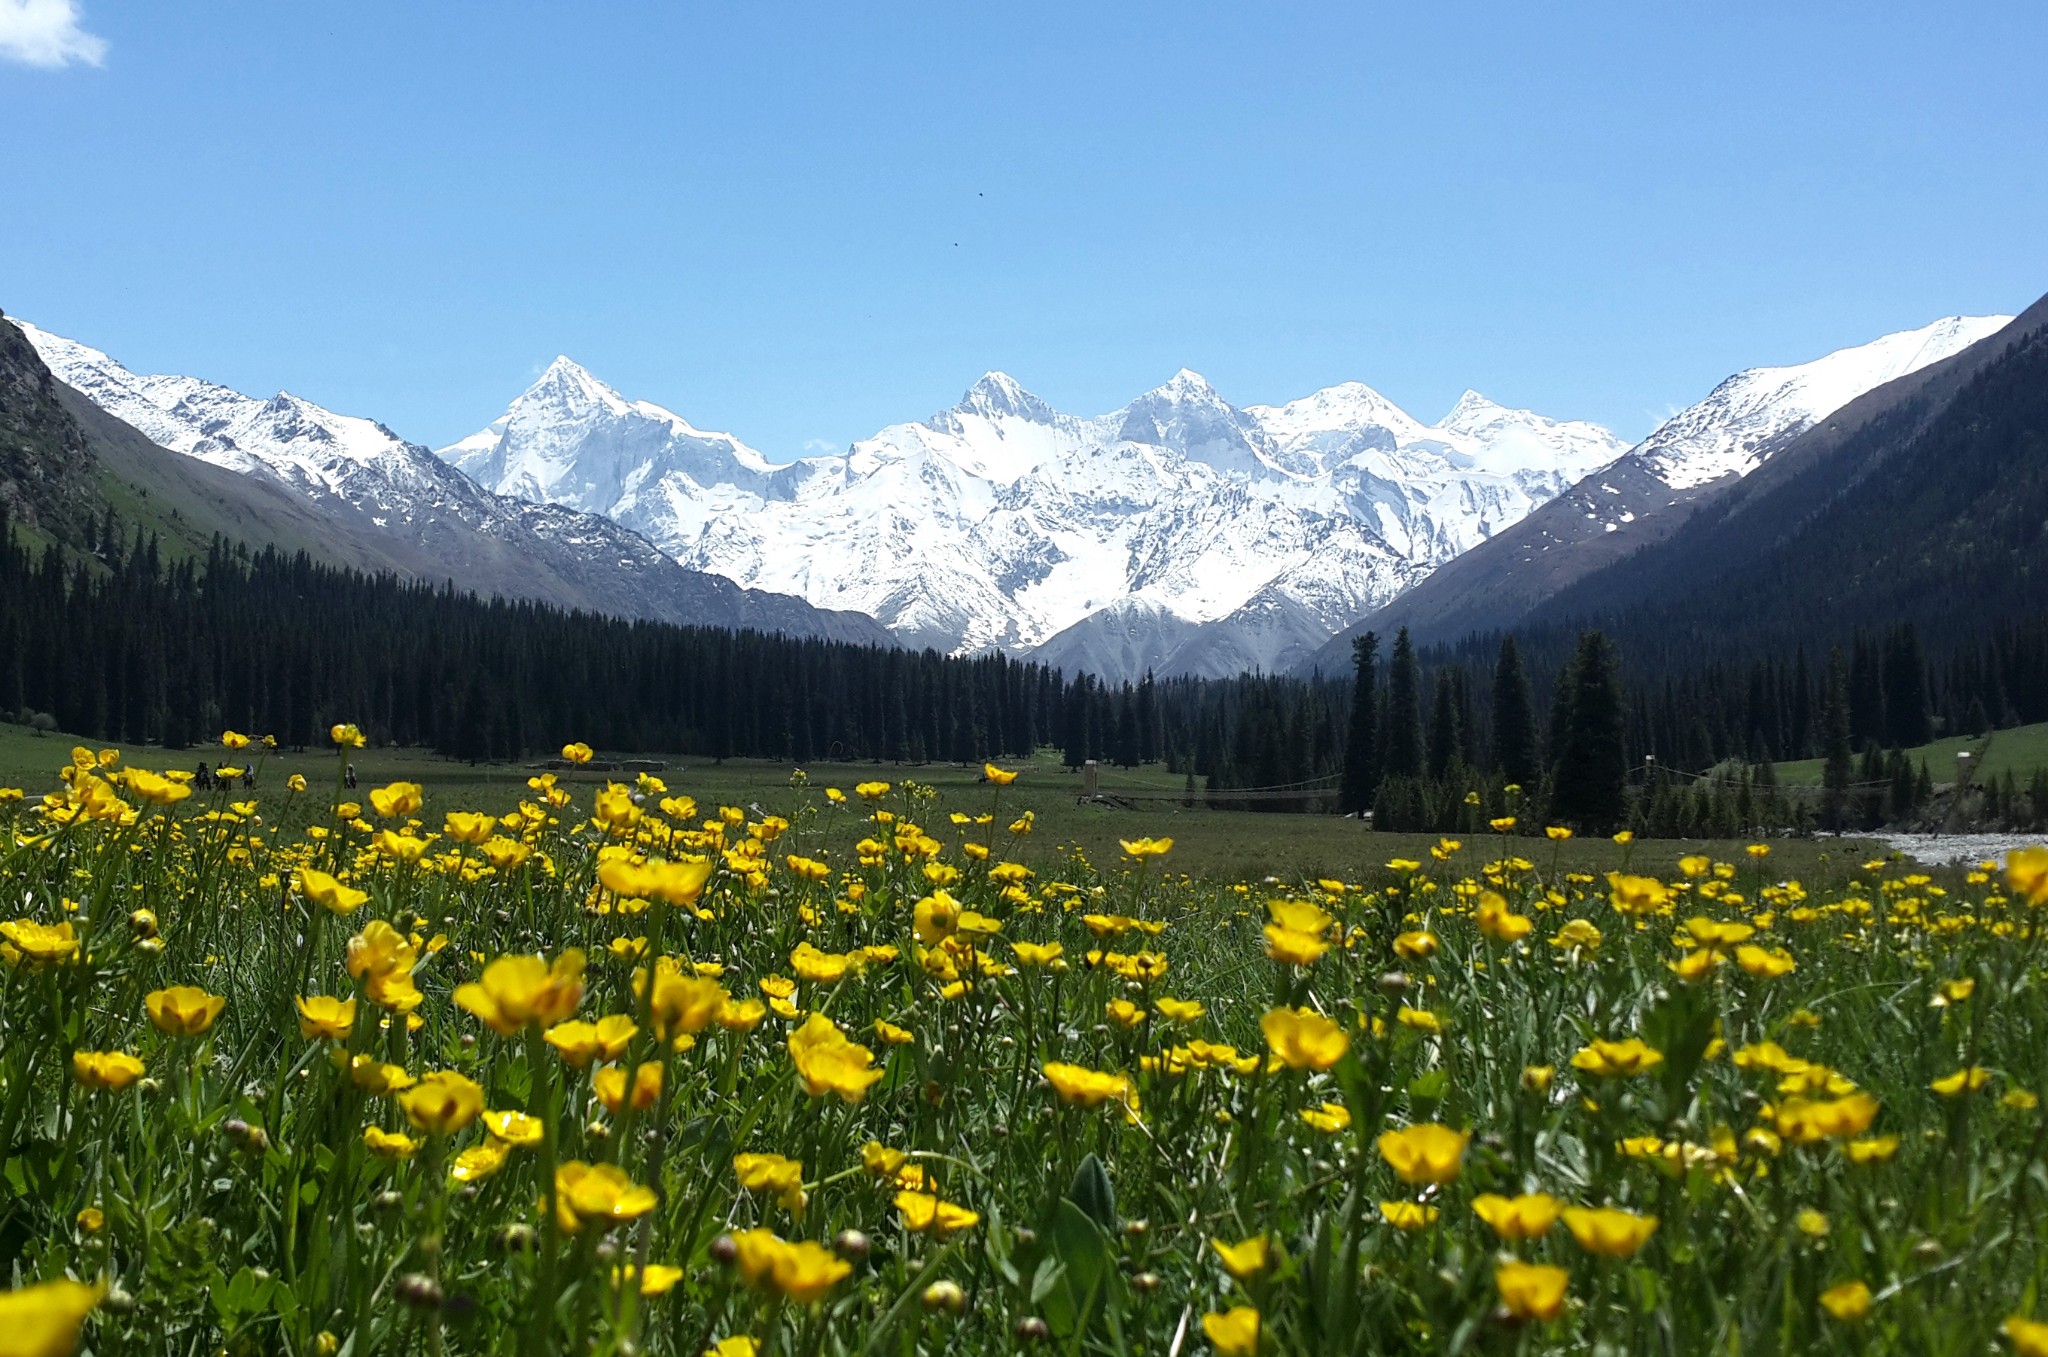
[[1091, 780]]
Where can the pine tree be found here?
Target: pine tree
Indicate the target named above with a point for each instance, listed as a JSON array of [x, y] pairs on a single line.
[[1514, 718], [1591, 779], [1404, 712], [1446, 737], [1360, 781], [1839, 769]]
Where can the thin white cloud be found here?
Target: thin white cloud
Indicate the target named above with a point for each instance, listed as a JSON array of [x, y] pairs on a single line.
[[46, 33]]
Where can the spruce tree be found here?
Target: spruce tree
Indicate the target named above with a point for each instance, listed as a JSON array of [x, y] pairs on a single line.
[[1446, 735], [1839, 769], [1514, 718], [1360, 781], [1591, 778], [1404, 712]]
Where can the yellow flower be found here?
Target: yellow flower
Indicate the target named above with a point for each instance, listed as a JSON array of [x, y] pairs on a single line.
[[1330, 1118], [801, 1272], [1234, 1333], [1766, 965], [609, 1084], [1848, 1302], [1408, 1215], [399, 798], [824, 968], [580, 1043], [1178, 1010], [682, 1003], [1536, 1078], [40, 944], [442, 1102], [1246, 1258], [1518, 1219], [1609, 1231], [158, 791], [1417, 946], [1617, 1059], [514, 1128], [1303, 1039], [1531, 1291], [1636, 894], [105, 1069], [1000, 776], [389, 1144], [44, 1320], [578, 752], [479, 1161], [323, 1016], [1427, 1153], [827, 1062], [372, 1075], [1036, 954], [329, 893], [2029, 1338], [91, 1220], [1083, 1087], [183, 1010], [924, 1213], [345, 736], [1499, 922], [1967, 1080], [773, 1174], [468, 827], [1293, 949], [1146, 848], [659, 1280], [601, 1192], [517, 991]]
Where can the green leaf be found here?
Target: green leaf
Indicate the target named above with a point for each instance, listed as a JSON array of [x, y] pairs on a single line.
[[1092, 1191]]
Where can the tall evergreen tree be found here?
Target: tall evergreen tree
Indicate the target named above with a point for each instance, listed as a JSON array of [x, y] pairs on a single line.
[[1514, 718], [1591, 780], [1403, 746], [1360, 781], [1839, 770], [1446, 734]]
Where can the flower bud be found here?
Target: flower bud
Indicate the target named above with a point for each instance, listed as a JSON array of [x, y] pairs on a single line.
[[1145, 1283], [142, 924], [1032, 1329], [418, 1290], [724, 1250], [515, 1239], [947, 1296], [852, 1245]]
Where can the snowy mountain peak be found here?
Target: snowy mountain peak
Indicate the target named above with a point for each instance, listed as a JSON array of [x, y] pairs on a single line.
[[1471, 406], [1748, 416], [998, 394]]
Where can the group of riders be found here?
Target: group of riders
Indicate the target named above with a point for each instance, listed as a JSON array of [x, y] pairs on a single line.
[[206, 779]]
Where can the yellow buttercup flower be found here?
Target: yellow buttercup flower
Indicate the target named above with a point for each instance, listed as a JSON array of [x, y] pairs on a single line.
[[773, 1175], [1303, 1039], [1233, 1333], [1246, 1258], [1427, 1153], [44, 1320], [827, 1062], [183, 1010], [105, 1069], [924, 1213], [330, 893], [1141, 849], [1967, 1080], [324, 1017], [601, 1193], [518, 991], [1848, 1302], [1609, 1231], [609, 1084], [1083, 1087], [1001, 777], [1408, 1215], [801, 1272], [1518, 1219], [1531, 1291], [442, 1102], [1618, 1059]]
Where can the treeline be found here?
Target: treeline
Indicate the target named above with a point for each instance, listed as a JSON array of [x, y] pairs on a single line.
[[119, 644]]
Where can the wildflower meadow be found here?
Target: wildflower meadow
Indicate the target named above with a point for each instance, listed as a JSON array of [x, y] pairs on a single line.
[[312, 1070]]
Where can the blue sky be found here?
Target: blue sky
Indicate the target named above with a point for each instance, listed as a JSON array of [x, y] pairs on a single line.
[[802, 222]]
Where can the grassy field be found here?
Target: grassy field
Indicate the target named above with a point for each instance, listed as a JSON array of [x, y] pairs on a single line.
[[2018, 751], [1210, 844], [631, 1079]]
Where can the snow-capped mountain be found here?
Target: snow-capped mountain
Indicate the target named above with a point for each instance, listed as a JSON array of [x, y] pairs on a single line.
[[427, 518], [1091, 540], [1644, 496]]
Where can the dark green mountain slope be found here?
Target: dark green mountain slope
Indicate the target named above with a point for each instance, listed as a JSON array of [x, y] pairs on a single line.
[[1934, 510]]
